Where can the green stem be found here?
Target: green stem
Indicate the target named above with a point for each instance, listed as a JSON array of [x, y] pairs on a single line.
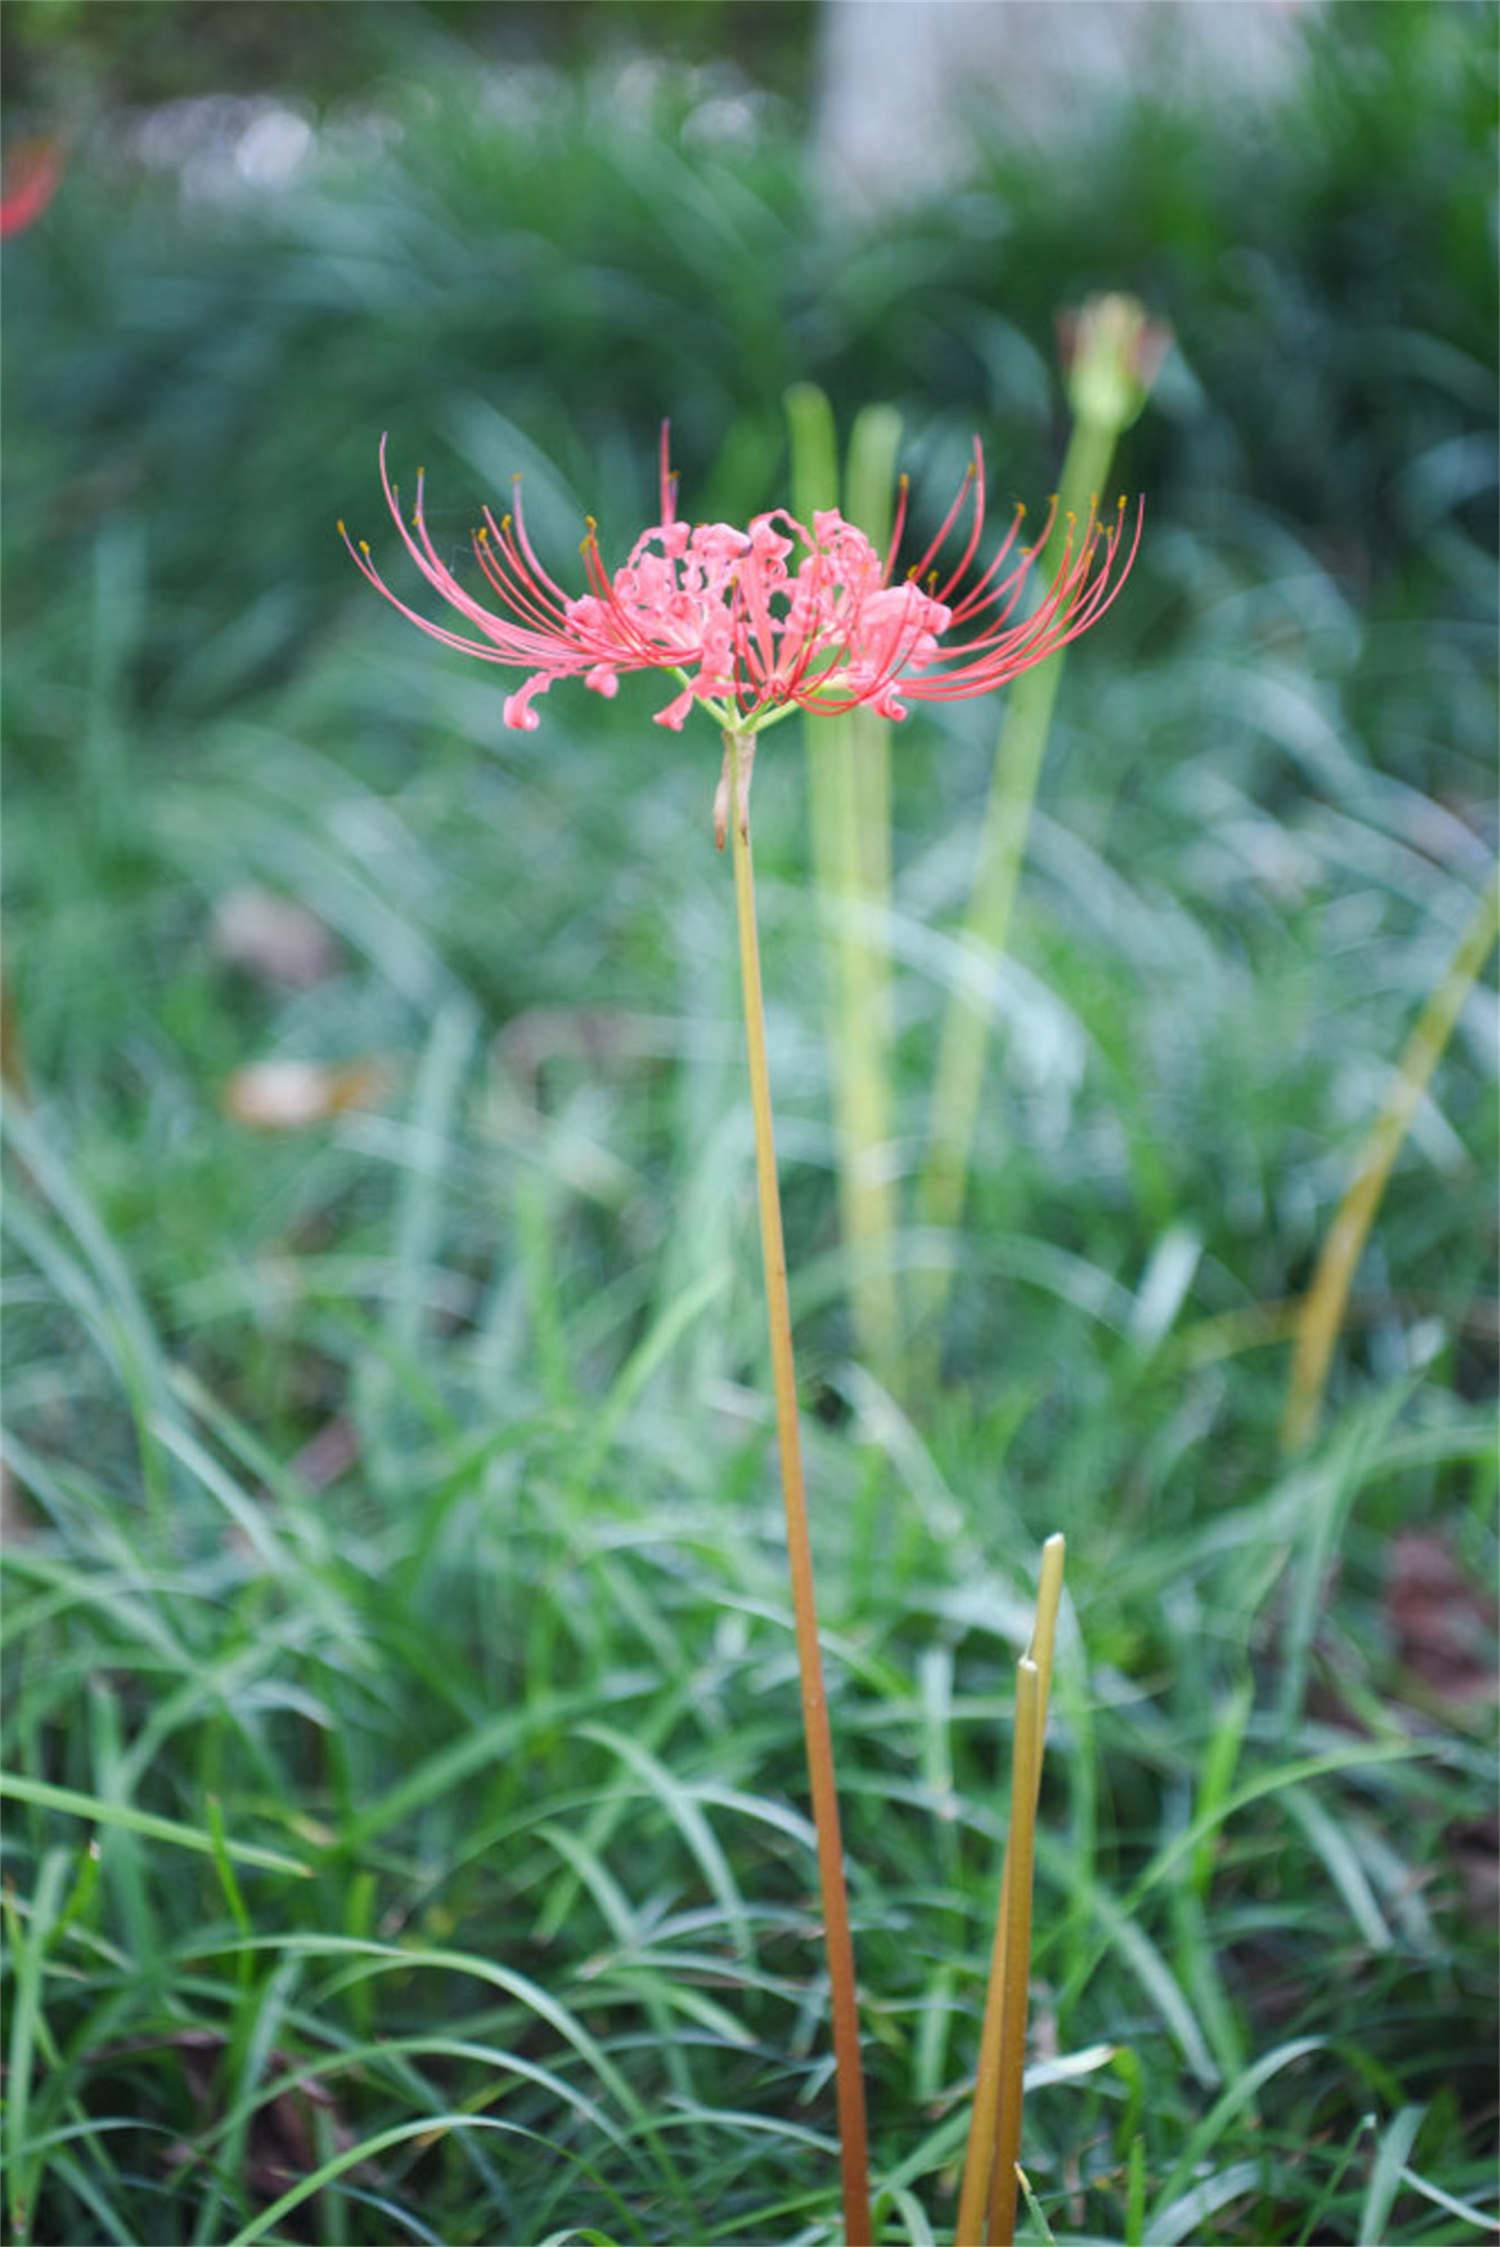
[[848, 782], [996, 2124], [998, 2084], [1017, 1964], [963, 1046], [863, 1023], [848, 2072]]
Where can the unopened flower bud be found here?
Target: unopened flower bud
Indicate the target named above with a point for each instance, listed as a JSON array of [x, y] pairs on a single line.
[[1112, 354]]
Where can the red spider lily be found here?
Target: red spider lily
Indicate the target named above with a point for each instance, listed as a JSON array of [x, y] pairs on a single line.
[[755, 623]]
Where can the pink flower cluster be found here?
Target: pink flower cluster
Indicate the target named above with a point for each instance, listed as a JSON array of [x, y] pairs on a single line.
[[753, 622]]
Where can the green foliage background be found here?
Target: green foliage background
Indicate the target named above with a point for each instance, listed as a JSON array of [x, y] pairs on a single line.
[[514, 1681]]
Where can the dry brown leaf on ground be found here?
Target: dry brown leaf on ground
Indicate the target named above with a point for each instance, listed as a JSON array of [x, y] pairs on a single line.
[[1443, 1625], [328, 1455], [282, 2145]]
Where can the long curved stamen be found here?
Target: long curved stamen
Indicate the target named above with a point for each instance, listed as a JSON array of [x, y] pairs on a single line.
[[539, 575], [504, 568], [920, 568], [1075, 583], [651, 652], [419, 546], [1021, 648], [898, 525], [360, 553], [971, 546], [983, 592]]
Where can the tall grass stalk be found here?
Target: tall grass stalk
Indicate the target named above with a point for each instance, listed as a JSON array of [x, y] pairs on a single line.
[[1116, 356], [849, 801], [849, 2075], [1322, 1312], [987, 2202]]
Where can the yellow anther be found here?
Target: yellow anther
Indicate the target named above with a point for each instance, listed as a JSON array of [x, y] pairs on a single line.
[[593, 526], [482, 534], [343, 533], [364, 546]]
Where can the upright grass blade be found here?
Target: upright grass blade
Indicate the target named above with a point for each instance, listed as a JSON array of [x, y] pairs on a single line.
[[25, 2018], [1117, 354], [1322, 1310], [849, 800], [848, 2071], [1034, 2209], [1386, 2171], [987, 2202]]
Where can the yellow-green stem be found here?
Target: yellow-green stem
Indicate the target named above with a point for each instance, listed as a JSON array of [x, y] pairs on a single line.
[[1004, 2026], [1001, 2227], [959, 1079], [1048, 1600], [1322, 1311], [848, 2070], [1000, 2069], [865, 1004], [1013, 2057]]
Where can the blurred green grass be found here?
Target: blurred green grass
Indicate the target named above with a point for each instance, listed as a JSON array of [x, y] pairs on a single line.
[[504, 1658]]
